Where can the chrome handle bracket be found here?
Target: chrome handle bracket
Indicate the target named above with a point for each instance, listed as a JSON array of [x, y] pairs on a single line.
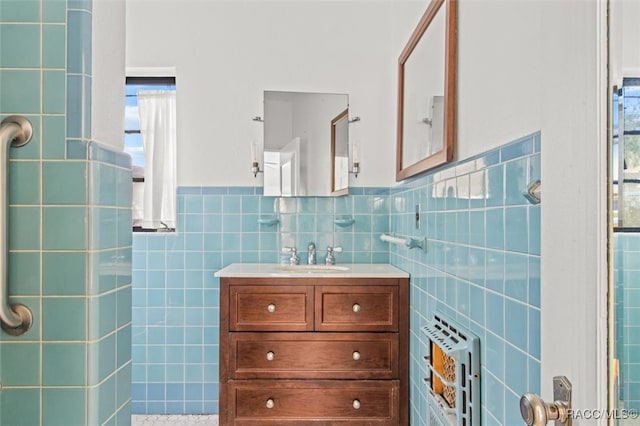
[[562, 398], [533, 193], [26, 318], [24, 131]]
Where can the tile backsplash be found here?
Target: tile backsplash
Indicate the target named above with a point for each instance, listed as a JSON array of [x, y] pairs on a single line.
[[175, 295], [482, 269]]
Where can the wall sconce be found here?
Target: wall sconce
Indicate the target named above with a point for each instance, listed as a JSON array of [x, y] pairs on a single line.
[[355, 153], [255, 169], [355, 169], [255, 166]]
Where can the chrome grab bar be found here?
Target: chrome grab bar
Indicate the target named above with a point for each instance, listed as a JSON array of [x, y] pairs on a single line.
[[16, 318]]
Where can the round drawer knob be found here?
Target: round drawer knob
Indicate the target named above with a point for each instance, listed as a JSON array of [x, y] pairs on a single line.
[[271, 308], [356, 307], [270, 403], [356, 404], [270, 356], [356, 355]]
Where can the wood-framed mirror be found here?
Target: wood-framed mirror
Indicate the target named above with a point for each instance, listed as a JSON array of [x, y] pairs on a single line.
[[427, 92], [340, 154]]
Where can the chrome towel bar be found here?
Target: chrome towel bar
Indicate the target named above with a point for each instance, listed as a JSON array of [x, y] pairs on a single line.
[[16, 318], [408, 242]]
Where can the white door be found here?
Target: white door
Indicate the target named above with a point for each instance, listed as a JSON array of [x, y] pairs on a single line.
[[574, 207]]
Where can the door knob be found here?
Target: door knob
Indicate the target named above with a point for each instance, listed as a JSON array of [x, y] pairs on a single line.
[[536, 412]]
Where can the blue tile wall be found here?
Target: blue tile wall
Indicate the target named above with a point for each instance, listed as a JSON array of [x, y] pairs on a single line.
[[175, 294], [109, 290], [70, 236], [627, 317], [482, 269]]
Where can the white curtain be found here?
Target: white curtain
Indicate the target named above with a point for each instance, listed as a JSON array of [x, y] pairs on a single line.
[[157, 109]]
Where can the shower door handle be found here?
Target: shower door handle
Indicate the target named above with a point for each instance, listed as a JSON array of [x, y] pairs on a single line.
[[16, 318], [536, 412]]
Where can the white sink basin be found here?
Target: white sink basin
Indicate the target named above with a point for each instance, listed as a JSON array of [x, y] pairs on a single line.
[[313, 268], [352, 270]]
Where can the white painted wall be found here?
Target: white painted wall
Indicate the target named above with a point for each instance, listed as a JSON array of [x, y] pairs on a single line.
[[108, 66], [500, 52], [226, 53]]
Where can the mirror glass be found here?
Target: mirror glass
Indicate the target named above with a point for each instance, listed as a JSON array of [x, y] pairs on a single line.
[[426, 93], [298, 157]]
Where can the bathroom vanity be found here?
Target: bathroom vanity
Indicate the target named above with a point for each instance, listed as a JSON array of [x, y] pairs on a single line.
[[314, 345]]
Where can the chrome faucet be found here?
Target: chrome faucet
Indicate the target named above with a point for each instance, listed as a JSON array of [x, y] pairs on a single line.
[[330, 259], [311, 255]]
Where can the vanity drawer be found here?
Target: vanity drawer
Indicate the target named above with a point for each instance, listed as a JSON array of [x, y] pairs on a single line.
[[357, 308], [314, 355], [271, 308], [283, 402]]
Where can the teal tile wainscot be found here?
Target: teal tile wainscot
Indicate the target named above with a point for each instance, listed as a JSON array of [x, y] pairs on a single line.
[[175, 295], [481, 269]]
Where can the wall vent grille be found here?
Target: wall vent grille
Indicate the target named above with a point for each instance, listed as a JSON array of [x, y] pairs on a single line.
[[454, 381]]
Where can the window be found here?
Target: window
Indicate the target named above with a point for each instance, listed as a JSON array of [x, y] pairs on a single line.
[[150, 138], [626, 156]]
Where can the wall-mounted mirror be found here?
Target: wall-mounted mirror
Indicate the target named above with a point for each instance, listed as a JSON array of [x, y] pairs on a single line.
[[298, 145], [426, 92]]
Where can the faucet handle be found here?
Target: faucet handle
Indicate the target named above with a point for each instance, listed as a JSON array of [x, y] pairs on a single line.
[[294, 259], [330, 259]]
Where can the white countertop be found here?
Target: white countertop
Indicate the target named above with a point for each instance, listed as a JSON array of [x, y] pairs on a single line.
[[350, 270]]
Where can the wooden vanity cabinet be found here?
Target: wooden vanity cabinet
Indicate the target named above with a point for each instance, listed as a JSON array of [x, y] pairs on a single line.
[[314, 350]]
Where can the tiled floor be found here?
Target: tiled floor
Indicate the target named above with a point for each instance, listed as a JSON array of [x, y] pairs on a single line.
[[173, 420]]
